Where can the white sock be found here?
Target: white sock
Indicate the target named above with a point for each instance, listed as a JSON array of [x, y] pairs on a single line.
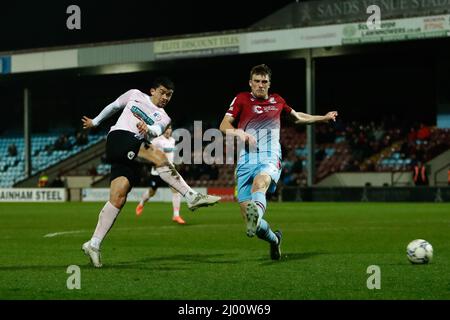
[[170, 175], [95, 242], [190, 196], [106, 220], [176, 200], [145, 197]]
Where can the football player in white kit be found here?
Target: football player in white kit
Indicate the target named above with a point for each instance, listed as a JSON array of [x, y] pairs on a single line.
[[143, 118], [165, 143]]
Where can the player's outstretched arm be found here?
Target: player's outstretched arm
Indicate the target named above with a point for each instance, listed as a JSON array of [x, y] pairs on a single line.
[[87, 122], [108, 111], [305, 118]]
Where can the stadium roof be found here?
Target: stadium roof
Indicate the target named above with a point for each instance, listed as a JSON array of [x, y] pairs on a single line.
[[38, 24]]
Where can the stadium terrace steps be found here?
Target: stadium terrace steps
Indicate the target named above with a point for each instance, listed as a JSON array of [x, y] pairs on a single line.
[[58, 162]]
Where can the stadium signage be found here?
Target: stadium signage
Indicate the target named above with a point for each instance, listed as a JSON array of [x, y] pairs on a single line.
[[195, 47], [290, 39], [395, 30], [5, 65], [330, 11], [32, 195]]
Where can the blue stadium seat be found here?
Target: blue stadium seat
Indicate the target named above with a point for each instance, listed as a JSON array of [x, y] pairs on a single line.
[[12, 168]]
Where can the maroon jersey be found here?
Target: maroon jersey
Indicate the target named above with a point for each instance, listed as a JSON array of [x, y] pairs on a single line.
[[260, 117]]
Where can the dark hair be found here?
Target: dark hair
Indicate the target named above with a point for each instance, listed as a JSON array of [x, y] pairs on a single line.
[[261, 69], [163, 81]]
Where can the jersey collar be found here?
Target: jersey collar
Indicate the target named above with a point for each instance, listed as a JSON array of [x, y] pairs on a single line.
[[264, 99]]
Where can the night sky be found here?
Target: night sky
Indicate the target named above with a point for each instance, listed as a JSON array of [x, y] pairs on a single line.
[[34, 24]]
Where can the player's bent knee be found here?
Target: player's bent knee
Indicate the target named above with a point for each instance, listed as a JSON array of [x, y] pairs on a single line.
[[118, 201], [261, 183], [118, 198]]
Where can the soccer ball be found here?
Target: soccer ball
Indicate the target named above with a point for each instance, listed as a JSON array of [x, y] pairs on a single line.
[[419, 251]]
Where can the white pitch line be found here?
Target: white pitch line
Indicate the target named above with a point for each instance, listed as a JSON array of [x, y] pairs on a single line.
[[55, 234]]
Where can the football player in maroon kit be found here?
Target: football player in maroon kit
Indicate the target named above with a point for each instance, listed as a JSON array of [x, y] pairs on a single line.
[[254, 117]]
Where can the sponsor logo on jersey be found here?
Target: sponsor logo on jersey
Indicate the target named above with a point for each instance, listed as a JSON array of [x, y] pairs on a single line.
[[261, 109], [141, 115]]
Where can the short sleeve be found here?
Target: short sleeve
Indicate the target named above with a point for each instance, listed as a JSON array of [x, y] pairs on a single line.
[[286, 107], [235, 107]]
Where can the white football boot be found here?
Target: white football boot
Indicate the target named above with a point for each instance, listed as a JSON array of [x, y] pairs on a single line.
[[93, 253], [202, 200]]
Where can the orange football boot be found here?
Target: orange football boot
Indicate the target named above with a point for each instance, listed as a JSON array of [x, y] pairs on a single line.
[[139, 209], [178, 220]]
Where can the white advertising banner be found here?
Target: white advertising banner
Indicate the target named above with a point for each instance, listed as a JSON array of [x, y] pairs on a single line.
[[102, 194], [196, 47], [33, 195], [291, 39], [399, 29]]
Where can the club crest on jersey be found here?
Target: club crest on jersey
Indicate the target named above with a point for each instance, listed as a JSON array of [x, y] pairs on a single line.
[[131, 155], [157, 116], [257, 109], [272, 100]]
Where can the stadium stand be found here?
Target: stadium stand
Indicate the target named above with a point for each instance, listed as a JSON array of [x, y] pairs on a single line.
[[354, 147], [46, 149]]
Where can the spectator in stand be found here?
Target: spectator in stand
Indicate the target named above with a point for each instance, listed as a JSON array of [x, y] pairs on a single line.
[[12, 150], [420, 152], [412, 135], [43, 180], [354, 166], [420, 177], [58, 182], [423, 133], [81, 138], [62, 143], [92, 171], [320, 154], [378, 134], [297, 167]]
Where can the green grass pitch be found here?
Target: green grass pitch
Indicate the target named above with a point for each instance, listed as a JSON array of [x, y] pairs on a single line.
[[326, 250]]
